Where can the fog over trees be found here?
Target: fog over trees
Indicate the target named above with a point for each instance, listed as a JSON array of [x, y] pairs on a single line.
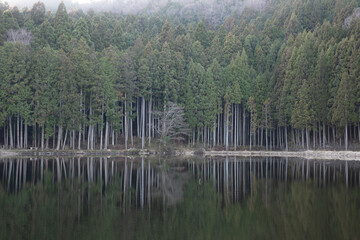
[[277, 75]]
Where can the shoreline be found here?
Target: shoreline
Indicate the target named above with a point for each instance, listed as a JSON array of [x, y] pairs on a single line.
[[310, 154]]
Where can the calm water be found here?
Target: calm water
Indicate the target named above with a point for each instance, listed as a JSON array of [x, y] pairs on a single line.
[[226, 198]]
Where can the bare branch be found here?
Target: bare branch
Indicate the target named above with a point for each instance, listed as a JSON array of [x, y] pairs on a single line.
[[172, 123], [20, 35]]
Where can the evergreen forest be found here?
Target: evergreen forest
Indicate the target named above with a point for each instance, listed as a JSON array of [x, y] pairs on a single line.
[[286, 76]]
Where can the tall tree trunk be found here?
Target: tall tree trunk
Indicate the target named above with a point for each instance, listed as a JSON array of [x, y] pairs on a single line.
[[89, 137], [79, 140], [18, 131], [346, 136], [149, 128], [113, 135], [21, 132], [102, 130], [250, 131], [11, 134], [143, 123], [226, 114], [319, 124], [235, 127], [106, 135], [54, 137], [286, 139], [47, 143], [266, 127], [26, 135], [302, 138], [244, 127], [42, 137], [66, 133], [5, 137], [307, 138], [324, 135], [73, 139], [126, 124], [218, 129], [59, 138], [138, 106], [214, 134], [314, 138], [271, 140], [131, 128]]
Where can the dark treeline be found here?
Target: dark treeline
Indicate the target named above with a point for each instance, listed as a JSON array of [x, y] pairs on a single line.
[[285, 76]]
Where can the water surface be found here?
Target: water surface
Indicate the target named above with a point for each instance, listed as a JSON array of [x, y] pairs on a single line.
[[165, 198]]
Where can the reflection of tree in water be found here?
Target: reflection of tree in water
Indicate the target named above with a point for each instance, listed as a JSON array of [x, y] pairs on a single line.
[[226, 199]]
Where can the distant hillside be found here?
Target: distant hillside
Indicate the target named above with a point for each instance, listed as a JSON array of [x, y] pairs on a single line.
[[212, 10]]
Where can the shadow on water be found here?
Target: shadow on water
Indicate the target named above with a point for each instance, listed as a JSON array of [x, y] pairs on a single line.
[[213, 198]]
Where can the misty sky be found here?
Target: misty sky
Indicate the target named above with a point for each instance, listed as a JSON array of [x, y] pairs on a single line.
[[30, 3]]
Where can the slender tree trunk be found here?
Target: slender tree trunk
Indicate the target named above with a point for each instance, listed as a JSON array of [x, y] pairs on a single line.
[[250, 131], [18, 131], [5, 140], [59, 138], [214, 134], [143, 123], [204, 136], [42, 137], [266, 127], [112, 135], [319, 126], [126, 125], [286, 139], [239, 126], [66, 133], [314, 138], [102, 130], [235, 127], [25, 134], [137, 117], [302, 138], [89, 136], [106, 135], [149, 128], [131, 128], [54, 137], [73, 139], [21, 132], [226, 129], [359, 131], [271, 140], [346, 136], [218, 129], [79, 140], [244, 126], [324, 135], [307, 138], [11, 134]]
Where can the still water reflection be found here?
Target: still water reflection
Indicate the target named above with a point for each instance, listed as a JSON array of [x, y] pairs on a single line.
[[226, 198]]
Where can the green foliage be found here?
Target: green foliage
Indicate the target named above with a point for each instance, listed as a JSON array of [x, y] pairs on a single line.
[[296, 56]]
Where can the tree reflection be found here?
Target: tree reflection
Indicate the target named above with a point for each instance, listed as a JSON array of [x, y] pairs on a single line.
[[231, 198]]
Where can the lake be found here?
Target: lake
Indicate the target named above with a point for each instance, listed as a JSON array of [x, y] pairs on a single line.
[[174, 198]]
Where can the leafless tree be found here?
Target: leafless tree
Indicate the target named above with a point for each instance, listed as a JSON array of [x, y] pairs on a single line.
[[172, 124], [19, 35]]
